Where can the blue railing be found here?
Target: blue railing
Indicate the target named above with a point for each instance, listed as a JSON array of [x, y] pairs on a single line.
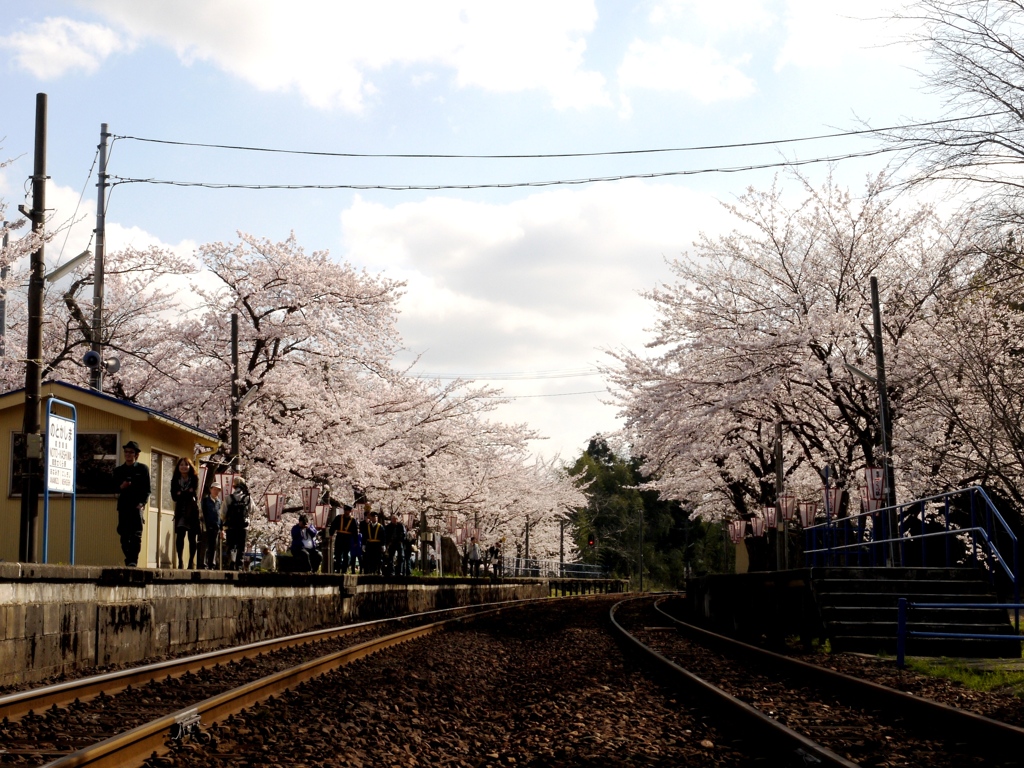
[[899, 535], [903, 613]]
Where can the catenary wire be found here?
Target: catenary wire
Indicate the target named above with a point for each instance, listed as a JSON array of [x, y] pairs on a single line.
[[511, 376], [542, 156], [117, 180], [81, 197], [549, 394]]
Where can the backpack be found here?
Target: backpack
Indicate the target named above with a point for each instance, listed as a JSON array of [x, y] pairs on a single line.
[[238, 511]]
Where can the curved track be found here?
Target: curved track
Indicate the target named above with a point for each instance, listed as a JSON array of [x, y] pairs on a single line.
[[808, 712]]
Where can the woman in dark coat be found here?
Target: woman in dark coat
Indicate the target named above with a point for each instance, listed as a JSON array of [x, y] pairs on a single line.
[[184, 492]]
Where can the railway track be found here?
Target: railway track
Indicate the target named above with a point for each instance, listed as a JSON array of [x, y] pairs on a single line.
[[122, 717], [806, 713]]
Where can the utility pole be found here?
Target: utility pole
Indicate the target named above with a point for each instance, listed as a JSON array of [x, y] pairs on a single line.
[[883, 420], [883, 398], [34, 349], [234, 391], [781, 544], [5, 270], [96, 376]]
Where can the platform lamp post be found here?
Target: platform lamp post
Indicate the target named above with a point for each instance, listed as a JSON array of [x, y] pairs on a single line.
[[641, 549], [787, 506], [561, 546]]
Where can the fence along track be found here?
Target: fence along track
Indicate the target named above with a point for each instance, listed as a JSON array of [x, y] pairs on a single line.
[[16, 705], [743, 716], [983, 732]]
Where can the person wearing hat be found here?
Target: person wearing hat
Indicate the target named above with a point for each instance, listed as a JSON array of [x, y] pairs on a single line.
[[132, 482], [211, 516], [236, 521], [344, 529], [373, 543]]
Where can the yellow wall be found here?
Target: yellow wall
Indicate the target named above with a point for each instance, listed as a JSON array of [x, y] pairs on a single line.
[[96, 542]]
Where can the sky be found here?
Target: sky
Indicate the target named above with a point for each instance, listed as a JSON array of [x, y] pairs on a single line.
[[522, 287]]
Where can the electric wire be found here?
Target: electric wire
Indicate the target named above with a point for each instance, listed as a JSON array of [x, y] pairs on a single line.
[[117, 180], [549, 394], [542, 156], [81, 197], [511, 376]]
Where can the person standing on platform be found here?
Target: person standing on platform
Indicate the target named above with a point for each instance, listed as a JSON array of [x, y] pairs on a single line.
[[236, 521], [184, 494], [495, 557], [373, 543], [358, 561], [132, 481], [474, 558], [344, 529], [394, 539], [211, 517]]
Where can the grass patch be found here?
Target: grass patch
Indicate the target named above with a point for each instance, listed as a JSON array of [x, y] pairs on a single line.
[[976, 679]]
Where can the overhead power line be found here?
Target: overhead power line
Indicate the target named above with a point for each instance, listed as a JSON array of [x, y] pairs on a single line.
[[512, 375], [549, 394], [553, 155], [116, 180]]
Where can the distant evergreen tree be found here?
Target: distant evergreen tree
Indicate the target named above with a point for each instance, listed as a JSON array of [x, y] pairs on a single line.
[[673, 544]]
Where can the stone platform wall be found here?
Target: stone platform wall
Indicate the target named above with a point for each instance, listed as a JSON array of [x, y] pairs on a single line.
[[67, 619]]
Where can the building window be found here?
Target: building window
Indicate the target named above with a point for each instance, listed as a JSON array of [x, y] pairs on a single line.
[[95, 458]]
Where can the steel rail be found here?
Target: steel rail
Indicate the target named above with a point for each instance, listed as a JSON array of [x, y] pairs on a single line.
[[745, 718], [988, 734], [16, 705], [134, 746]]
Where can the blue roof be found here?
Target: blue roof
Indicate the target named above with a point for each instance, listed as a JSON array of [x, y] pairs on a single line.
[[151, 411]]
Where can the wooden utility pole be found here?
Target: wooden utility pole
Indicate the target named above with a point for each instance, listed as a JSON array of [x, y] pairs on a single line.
[[31, 427]]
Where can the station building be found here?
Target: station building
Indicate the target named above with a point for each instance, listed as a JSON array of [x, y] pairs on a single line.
[[104, 424]]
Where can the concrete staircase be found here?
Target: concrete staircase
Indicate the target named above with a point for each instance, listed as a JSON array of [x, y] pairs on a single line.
[[859, 609]]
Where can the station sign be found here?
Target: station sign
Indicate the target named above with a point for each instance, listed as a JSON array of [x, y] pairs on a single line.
[[60, 455]]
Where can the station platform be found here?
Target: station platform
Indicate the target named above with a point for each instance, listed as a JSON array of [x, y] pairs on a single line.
[[59, 619]]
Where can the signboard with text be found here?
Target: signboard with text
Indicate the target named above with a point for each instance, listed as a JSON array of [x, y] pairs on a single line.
[[60, 455]]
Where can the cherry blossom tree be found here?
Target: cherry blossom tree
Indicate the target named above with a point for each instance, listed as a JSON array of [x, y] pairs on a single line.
[[323, 401], [756, 331]]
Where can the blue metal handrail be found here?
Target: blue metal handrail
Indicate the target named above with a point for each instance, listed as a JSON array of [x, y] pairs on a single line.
[[902, 633], [822, 541]]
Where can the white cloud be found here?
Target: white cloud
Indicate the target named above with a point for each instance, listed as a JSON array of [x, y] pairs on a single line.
[[714, 16], [56, 46], [826, 33], [556, 266], [673, 65], [329, 51], [545, 283]]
